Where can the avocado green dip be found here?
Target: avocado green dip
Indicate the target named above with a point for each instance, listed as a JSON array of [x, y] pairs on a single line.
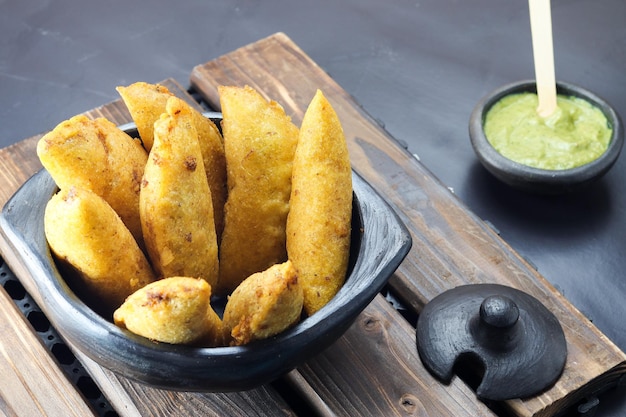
[[575, 134]]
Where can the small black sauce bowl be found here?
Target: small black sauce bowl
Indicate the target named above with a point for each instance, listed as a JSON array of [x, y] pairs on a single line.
[[536, 180]]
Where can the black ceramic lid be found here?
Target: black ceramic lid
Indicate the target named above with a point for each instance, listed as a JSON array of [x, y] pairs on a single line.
[[517, 341]]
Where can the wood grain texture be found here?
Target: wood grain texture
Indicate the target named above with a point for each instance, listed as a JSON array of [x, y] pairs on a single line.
[[132, 399], [375, 367], [451, 246], [17, 165], [31, 382]]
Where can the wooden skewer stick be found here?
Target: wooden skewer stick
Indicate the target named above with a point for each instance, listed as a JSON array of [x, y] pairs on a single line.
[[541, 30]]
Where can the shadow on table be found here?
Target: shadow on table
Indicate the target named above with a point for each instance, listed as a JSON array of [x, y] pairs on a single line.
[[613, 402], [573, 215]]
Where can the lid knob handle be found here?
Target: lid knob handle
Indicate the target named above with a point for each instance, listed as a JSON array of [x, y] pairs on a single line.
[[499, 311]]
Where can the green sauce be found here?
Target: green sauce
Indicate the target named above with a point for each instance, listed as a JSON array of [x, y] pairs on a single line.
[[575, 134]]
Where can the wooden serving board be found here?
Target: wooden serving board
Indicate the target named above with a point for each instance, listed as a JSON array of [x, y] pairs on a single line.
[[374, 368], [451, 246]]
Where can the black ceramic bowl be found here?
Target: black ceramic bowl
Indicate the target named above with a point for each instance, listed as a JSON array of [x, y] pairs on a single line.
[[537, 180], [379, 243]]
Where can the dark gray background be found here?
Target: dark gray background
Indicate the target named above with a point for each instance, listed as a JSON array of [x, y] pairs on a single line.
[[417, 66]]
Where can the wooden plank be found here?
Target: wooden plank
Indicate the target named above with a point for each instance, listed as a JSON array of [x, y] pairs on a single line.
[[16, 166], [375, 369], [26, 373], [451, 246], [137, 400], [129, 398]]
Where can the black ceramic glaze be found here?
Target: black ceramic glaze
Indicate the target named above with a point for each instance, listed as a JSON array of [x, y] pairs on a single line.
[[538, 180], [518, 341], [380, 241]]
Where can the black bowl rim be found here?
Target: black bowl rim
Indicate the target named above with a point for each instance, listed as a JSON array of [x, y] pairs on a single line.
[[385, 241], [536, 179]]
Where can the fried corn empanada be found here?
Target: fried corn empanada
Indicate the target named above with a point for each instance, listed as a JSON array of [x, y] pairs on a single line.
[[96, 155], [86, 233], [319, 221], [264, 304], [259, 141], [175, 200], [173, 310], [146, 102], [212, 148]]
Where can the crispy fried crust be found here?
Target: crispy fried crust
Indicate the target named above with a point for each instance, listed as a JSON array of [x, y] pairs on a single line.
[[259, 141], [172, 310], [84, 231], [146, 102], [264, 304], [96, 155], [212, 148], [175, 200], [318, 226]]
